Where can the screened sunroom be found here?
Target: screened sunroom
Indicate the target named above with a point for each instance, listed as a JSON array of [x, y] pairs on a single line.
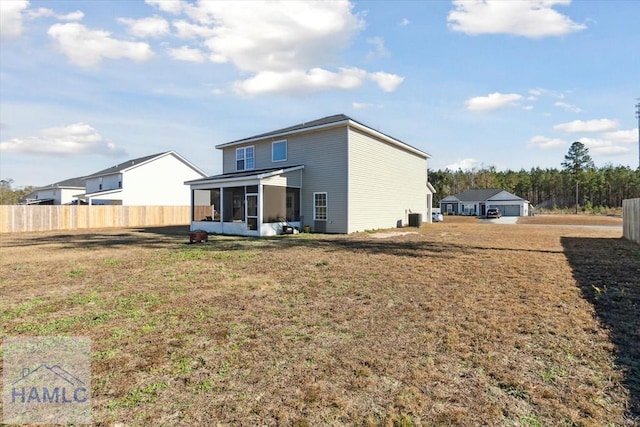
[[249, 203]]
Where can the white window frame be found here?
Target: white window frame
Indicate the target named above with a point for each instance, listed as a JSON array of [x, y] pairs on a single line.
[[243, 150], [326, 206], [286, 150]]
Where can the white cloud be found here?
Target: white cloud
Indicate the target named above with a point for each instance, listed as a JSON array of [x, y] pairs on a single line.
[[300, 81], [528, 107], [405, 22], [603, 147], [597, 125], [75, 139], [544, 143], [527, 18], [277, 36], [387, 82], [43, 12], [296, 82], [536, 92], [187, 30], [363, 105], [186, 53], [73, 16], [86, 48], [153, 26], [11, 18], [464, 164], [170, 6], [291, 47], [492, 101], [568, 107], [539, 92], [379, 50], [622, 136]]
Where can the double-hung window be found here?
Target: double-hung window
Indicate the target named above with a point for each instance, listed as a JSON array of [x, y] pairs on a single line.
[[279, 151], [320, 206], [244, 158]]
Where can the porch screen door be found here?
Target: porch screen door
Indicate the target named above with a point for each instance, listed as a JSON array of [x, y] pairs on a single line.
[[251, 203]]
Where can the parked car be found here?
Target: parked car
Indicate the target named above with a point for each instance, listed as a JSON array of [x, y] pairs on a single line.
[[436, 217], [494, 213]]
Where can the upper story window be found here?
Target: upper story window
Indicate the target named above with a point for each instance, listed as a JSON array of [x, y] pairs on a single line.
[[279, 151], [244, 158]]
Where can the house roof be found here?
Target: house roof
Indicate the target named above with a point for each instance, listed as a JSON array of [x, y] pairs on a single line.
[[478, 195], [98, 194], [77, 182], [251, 174], [126, 165], [141, 160], [325, 122]]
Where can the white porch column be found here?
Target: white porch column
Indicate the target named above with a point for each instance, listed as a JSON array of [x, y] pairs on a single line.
[[221, 210], [260, 207]]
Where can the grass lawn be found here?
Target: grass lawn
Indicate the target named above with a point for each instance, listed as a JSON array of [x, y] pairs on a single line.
[[458, 323]]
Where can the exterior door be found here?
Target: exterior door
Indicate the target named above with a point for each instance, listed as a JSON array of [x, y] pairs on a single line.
[[251, 203]]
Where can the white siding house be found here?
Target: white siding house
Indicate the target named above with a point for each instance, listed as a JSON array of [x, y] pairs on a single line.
[[333, 175], [477, 201], [59, 193], [154, 180]]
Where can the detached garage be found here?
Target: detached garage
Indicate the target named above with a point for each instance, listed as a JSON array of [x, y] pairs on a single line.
[[476, 202]]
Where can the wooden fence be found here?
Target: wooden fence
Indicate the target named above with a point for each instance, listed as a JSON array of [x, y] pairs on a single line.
[[20, 218], [631, 219]]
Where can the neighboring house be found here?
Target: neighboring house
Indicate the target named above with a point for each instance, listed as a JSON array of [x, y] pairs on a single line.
[[333, 175], [476, 202], [60, 193], [146, 181]]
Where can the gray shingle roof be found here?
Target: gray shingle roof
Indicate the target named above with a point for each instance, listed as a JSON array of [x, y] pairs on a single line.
[[323, 121], [122, 166], [71, 182], [249, 172], [336, 118], [243, 174], [478, 195]]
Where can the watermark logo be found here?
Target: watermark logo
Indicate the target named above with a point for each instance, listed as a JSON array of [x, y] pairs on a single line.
[[46, 380]]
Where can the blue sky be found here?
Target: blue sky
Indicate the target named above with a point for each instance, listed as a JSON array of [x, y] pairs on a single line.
[[85, 85]]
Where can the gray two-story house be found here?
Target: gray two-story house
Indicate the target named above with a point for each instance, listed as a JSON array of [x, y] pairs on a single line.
[[332, 175]]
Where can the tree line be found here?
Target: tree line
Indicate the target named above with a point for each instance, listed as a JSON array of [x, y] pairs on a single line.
[[549, 188], [10, 195]]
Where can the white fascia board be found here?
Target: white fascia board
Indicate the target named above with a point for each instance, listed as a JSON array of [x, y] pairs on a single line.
[[98, 194]]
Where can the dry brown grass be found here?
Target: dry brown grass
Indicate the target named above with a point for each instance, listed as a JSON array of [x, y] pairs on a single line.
[[572, 220], [459, 324]]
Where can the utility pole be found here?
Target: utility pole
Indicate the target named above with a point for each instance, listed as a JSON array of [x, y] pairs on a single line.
[[638, 117]]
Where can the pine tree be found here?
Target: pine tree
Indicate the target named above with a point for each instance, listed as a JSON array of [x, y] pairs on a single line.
[[577, 160]]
